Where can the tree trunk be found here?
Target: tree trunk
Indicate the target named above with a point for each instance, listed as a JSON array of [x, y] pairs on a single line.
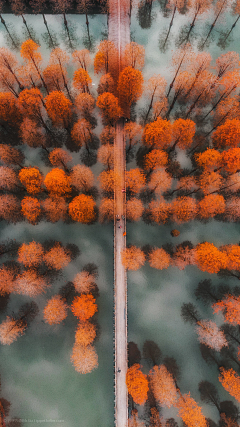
[[232, 27], [25, 23], [49, 34], [213, 25], [171, 85], [67, 29], [170, 26]]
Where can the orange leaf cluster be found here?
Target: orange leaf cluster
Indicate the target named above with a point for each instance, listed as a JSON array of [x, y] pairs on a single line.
[[32, 179], [159, 258], [30, 283], [9, 111], [134, 209], [31, 209], [84, 306], [59, 157], [230, 380], [209, 258], [58, 108], [133, 258], [227, 135], [183, 132], [55, 209], [130, 87], [7, 276], [10, 330], [135, 180], [85, 333], [137, 384], [158, 134], [109, 180], [57, 257], [82, 209], [159, 211], [230, 307], [209, 159], [84, 282], [155, 159], [30, 254], [211, 205], [163, 386], [110, 108], [231, 160], [57, 182], [184, 209], [190, 412], [81, 80], [84, 358], [55, 311]]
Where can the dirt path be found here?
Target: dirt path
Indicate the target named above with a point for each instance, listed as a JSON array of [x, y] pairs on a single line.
[[119, 33]]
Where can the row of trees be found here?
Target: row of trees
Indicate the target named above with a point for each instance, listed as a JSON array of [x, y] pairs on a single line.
[[205, 256]]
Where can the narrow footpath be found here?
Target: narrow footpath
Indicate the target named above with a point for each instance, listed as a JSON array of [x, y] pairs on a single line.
[[119, 33]]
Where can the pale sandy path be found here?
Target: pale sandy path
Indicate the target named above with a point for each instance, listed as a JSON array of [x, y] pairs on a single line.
[[119, 33]]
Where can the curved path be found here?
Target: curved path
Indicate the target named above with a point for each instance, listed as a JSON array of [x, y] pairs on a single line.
[[119, 33]]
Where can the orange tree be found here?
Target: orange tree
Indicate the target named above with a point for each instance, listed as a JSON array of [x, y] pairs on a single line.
[[159, 258], [85, 333], [84, 306], [135, 180], [227, 135], [209, 258], [109, 105], [59, 109], [84, 282], [184, 209], [229, 306], [32, 179], [230, 380], [57, 257], [55, 208], [163, 386], [82, 133], [134, 209], [55, 311], [84, 358], [158, 134], [30, 102], [81, 80], [211, 205], [130, 88], [133, 258], [134, 55], [190, 412], [106, 209], [57, 182], [7, 277], [10, 208], [10, 330], [9, 111], [233, 254], [31, 209], [32, 58], [155, 159], [159, 211], [30, 283], [137, 384], [105, 60], [209, 159], [31, 254], [108, 180], [231, 160], [183, 132], [59, 157], [32, 134], [10, 155], [85, 104], [106, 84], [82, 209]]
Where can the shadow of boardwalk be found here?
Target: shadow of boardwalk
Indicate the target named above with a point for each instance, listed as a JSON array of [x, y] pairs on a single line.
[[119, 33]]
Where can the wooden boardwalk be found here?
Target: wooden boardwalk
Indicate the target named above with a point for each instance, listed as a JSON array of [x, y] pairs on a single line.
[[119, 33]]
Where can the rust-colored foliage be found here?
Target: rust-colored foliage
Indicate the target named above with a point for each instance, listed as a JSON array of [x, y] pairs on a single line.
[[163, 385], [55, 311], [84, 307], [210, 182], [107, 135], [159, 258], [183, 256], [211, 205], [30, 254], [108, 180], [84, 358], [134, 56], [82, 178], [210, 335], [227, 135], [8, 178], [85, 104], [159, 211], [209, 159], [10, 155], [133, 134], [106, 84], [187, 183], [134, 421], [105, 60], [209, 258], [232, 211], [106, 155], [31, 134], [155, 159], [30, 102], [84, 282], [59, 108], [55, 208], [10, 208], [230, 380], [137, 384], [32, 179], [160, 181], [133, 258], [9, 111], [231, 160], [30, 283], [81, 132], [135, 180], [7, 276], [190, 412], [10, 330], [82, 209], [158, 134], [110, 109], [85, 333], [233, 254], [57, 182], [134, 209], [229, 306], [81, 80], [57, 257], [130, 87], [29, 51], [106, 210], [183, 132], [31, 209], [53, 76], [59, 157]]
